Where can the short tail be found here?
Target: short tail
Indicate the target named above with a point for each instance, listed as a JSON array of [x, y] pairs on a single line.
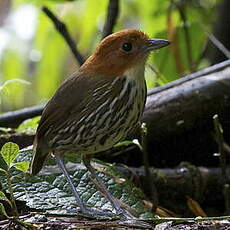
[[39, 156]]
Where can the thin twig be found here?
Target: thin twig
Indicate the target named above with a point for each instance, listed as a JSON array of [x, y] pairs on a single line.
[[226, 148], [221, 146], [152, 188], [112, 13], [62, 29], [157, 73], [219, 45], [220, 141]]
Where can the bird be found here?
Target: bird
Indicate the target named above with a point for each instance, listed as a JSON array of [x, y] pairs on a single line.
[[95, 108]]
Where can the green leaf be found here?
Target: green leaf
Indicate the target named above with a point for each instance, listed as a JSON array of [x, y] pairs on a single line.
[[3, 197], [51, 192], [29, 126], [13, 90], [2, 210], [9, 152], [123, 143], [22, 166], [12, 84]]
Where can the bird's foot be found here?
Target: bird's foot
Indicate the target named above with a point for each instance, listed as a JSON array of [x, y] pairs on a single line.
[[125, 211], [124, 214], [129, 218]]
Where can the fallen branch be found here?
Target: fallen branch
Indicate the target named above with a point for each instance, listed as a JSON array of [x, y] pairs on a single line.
[[73, 223], [173, 185], [179, 117], [209, 70], [178, 105], [14, 118]]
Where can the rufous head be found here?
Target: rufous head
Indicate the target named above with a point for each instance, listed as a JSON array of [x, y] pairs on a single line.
[[121, 51]]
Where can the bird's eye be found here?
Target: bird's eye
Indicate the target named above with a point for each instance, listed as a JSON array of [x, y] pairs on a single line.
[[127, 46]]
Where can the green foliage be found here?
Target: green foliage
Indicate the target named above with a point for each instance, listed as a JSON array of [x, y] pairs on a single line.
[[3, 197], [22, 166], [51, 192], [29, 126], [10, 87], [49, 71], [2, 210], [123, 143], [9, 153]]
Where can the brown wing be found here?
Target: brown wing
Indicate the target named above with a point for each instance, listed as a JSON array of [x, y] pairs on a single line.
[[67, 104]]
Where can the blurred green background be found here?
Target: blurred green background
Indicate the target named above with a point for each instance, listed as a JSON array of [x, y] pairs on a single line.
[[34, 58]]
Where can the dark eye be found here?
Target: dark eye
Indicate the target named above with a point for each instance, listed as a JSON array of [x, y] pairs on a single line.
[[127, 46]]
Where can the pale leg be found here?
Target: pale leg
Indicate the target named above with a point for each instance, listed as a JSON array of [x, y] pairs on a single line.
[[85, 210], [98, 183]]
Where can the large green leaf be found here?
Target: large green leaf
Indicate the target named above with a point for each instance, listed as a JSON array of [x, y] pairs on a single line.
[[11, 90], [22, 166], [51, 193], [2, 210], [4, 198], [9, 152]]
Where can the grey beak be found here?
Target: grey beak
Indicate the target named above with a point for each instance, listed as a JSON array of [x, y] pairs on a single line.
[[154, 44]]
